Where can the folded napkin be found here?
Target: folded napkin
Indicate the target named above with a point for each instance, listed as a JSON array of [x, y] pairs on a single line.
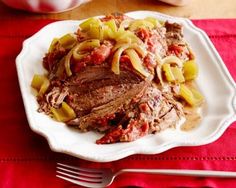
[[27, 161]]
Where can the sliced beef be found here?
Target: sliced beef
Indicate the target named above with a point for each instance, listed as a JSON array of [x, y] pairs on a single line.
[[91, 88], [103, 72], [97, 85], [152, 112], [129, 107], [83, 102], [108, 110]]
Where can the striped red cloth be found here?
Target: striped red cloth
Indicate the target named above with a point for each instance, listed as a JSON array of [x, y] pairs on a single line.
[[27, 161]]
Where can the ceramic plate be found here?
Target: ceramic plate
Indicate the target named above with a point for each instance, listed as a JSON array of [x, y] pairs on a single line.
[[214, 82]]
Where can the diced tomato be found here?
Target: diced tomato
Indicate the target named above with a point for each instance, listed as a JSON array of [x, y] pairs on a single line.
[[153, 42], [125, 62], [124, 59], [79, 66], [149, 62], [100, 54], [111, 137], [136, 129], [176, 49], [105, 120], [143, 107], [190, 56], [97, 57], [144, 128], [143, 34]]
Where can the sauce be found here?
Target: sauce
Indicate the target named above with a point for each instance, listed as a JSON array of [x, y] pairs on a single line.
[[193, 115], [193, 118]]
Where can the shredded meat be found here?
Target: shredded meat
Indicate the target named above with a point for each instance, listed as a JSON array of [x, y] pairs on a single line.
[[176, 44], [155, 40]]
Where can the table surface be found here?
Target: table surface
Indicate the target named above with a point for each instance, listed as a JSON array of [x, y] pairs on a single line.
[[196, 9]]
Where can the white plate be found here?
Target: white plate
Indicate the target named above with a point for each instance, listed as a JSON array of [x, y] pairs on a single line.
[[214, 81]]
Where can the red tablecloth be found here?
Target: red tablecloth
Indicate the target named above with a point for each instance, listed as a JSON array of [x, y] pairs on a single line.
[[26, 160]]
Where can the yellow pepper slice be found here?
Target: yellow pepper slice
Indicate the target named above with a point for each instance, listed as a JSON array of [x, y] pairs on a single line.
[[108, 33], [53, 45], [95, 31], [178, 75], [40, 83], [67, 41], [85, 26], [140, 23], [191, 96], [197, 96], [168, 73], [44, 87], [186, 94], [190, 70], [64, 113], [37, 81], [67, 63], [123, 36], [111, 24], [154, 21]]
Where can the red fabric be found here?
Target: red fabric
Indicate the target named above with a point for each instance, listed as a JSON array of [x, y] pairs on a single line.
[[27, 161]]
